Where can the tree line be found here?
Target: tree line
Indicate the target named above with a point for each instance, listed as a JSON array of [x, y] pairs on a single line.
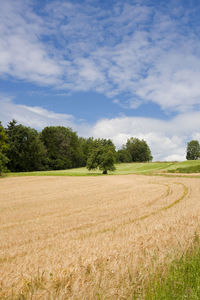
[[24, 149]]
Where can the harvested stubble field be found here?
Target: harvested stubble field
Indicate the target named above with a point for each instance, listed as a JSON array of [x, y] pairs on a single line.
[[91, 237]]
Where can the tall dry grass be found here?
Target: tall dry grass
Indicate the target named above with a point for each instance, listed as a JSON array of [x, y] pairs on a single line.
[[91, 237]]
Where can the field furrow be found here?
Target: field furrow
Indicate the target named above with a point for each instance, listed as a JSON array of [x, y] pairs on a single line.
[[80, 237]]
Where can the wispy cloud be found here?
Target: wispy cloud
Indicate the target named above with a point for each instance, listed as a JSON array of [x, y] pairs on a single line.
[[138, 51], [22, 54], [33, 116]]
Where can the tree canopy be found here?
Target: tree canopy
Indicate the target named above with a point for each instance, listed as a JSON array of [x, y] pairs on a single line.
[[193, 150], [123, 155], [102, 155], [63, 147], [135, 150], [3, 149], [26, 151]]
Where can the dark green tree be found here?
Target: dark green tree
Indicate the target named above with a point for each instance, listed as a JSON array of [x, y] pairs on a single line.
[[138, 150], [193, 150], [62, 146], [26, 151], [123, 155], [3, 150], [86, 146], [102, 155]]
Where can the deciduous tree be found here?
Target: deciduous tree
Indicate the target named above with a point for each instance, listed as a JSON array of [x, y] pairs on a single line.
[[62, 146], [102, 155], [123, 155], [193, 150], [26, 151], [138, 150], [3, 149]]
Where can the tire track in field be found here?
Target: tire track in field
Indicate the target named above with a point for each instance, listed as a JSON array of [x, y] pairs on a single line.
[[57, 214], [112, 228], [185, 192], [165, 195], [134, 220], [147, 204]]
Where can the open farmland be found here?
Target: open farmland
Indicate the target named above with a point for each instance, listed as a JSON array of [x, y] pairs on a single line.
[[91, 237]]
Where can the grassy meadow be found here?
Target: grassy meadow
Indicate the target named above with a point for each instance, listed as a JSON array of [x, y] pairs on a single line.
[[191, 166]]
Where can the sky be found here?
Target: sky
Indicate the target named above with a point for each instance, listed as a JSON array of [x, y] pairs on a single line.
[[106, 68]]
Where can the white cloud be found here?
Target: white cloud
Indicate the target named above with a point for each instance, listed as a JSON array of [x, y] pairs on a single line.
[[175, 157], [173, 81], [167, 139], [36, 117], [131, 49], [128, 104], [22, 54], [196, 136]]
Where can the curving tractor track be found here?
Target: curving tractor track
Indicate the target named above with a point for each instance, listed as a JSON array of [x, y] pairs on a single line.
[[88, 234]]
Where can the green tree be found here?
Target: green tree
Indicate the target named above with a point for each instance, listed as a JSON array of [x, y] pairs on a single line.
[[102, 155], [3, 149], [123, 155], [193, 150], [138, 150], [86, 146], [63, 147], [26, 151]]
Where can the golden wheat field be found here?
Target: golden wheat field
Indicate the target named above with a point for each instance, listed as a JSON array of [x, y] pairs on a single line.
[[91, 237]]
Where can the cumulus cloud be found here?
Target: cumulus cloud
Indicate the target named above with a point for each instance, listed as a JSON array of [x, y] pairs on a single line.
[[167, 139]]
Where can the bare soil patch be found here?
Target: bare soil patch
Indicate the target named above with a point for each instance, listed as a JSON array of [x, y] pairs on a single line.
[[85, 237]]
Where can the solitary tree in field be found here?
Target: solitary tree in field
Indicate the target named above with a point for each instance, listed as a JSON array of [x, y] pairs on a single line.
[[102, 155], [193, 150]]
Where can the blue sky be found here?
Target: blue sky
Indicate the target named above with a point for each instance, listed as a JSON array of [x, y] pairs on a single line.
[[111, 69]]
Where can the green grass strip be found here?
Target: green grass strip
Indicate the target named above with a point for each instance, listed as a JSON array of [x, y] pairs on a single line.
[[191, 169], [182, 280], [146, 168]]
